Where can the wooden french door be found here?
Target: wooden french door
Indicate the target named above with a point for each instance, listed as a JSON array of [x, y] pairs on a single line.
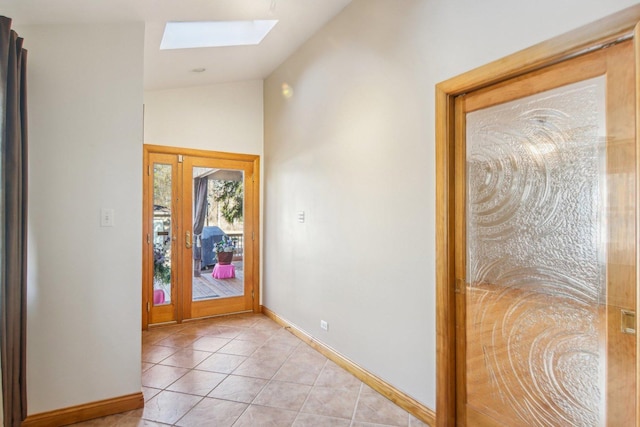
[[200, 237], [546, 246]]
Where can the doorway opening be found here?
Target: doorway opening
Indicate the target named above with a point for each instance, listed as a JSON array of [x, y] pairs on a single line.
[[200, 234]]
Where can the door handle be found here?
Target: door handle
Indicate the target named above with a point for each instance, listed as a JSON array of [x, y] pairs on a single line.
[[187, 240]]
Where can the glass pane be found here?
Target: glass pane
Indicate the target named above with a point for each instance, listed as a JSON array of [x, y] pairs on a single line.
[[537, 258], [218, 231], [162, 221]]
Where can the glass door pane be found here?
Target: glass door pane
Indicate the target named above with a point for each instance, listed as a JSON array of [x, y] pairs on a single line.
[[200, 213], [162, 224], [218, 212], [218, 233]]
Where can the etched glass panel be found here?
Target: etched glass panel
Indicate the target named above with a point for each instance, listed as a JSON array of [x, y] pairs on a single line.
[[536, 258]]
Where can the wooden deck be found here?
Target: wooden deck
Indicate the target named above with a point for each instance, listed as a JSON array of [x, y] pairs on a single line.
[[206, 287]]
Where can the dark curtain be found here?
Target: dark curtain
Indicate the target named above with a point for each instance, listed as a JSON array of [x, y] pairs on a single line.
[[199, 213], [13, 313]]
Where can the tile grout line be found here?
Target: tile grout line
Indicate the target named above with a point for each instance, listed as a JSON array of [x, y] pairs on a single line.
[[274, 343], [268, 381], [261, 388], [272, 379], [254, 397], [355, 408], [177, 379], [185, 414], [188, 371], [309, 394]]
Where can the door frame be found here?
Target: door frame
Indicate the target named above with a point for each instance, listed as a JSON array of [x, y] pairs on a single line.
[[147, 269], [622, 25]]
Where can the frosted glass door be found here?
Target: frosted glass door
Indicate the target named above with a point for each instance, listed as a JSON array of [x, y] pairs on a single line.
[[549, 259]]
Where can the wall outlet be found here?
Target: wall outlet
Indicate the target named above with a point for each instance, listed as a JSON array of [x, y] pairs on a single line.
[[324, 325]]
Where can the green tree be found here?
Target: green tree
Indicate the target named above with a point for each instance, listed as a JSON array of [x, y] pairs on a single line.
[[229, 194], [162, 185]]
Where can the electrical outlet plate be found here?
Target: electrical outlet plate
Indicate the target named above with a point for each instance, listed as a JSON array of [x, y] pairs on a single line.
[[324, 325]]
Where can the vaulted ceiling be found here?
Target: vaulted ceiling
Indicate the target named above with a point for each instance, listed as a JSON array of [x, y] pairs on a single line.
[[298, 20]]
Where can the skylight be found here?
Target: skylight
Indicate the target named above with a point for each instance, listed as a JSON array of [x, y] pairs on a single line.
[[185, 35]]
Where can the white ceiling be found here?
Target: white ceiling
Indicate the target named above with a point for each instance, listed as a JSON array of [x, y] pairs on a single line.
[[298, 21]]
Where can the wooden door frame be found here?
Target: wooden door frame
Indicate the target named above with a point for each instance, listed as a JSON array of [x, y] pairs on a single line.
[[621, 25], [147, 271]]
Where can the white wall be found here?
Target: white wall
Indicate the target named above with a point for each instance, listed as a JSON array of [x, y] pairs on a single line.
[[85, 153], [354, 147], [224, 117]]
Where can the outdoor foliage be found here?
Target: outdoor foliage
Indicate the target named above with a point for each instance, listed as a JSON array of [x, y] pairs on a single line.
[[162, 185], [229, 195], [161, 264], [225, 245]]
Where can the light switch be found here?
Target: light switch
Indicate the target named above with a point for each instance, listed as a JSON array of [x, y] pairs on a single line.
[[300, 216], [107, 217]]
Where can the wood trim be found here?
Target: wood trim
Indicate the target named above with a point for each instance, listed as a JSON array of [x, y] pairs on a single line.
[[87, 411], [401, 399], [445, 275], [169, 312], [256, 241], [200, 153], [145, 227], [147, 189], [621, 25], [621, 279], [581, 40], [200, 309], [558, 75], [179, 221], [637, 102], [459, 245]]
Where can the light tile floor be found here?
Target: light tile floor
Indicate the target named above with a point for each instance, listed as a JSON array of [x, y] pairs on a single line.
[[246, 370]]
